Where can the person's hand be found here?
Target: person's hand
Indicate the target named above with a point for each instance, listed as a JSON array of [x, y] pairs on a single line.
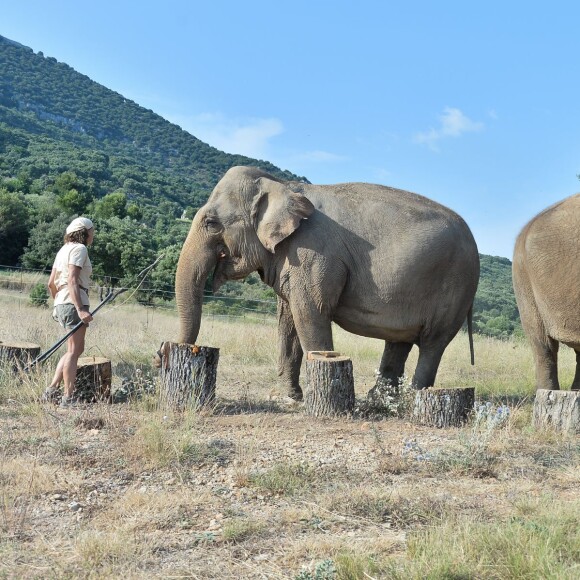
[[85, 317]]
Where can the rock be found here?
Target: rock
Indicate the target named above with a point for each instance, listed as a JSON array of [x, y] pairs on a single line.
[[75, 506]]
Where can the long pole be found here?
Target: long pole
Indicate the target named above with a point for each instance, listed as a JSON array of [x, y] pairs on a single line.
[[41, 358]]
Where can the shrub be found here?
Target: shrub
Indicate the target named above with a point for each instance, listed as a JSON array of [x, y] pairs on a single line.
[[39, 295]]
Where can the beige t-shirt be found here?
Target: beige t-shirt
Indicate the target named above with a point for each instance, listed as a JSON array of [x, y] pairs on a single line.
[[76, 254]]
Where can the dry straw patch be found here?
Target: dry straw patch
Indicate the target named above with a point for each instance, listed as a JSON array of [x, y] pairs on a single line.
[[26, 473], [148, 510]]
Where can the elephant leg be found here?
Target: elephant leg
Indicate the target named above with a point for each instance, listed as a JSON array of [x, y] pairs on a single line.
[[576, 382], [546, 360], [392, 367], [428, 363], [313, 327], [289, 352]]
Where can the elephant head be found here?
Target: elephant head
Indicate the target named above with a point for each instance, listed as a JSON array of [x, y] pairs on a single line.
[[235, 233]]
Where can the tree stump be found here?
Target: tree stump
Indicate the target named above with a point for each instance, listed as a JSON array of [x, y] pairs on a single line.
[[559, 410], [93, 382], [443, 407], [188, 375], [329, 384], [19, 354]]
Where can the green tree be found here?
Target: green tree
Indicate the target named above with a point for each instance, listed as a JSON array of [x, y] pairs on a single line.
[[44, 242], [42, 208], [134, 211], [162, 278], [71, 193], [121, 250], [73, 201], [13, 227], [112, 205]]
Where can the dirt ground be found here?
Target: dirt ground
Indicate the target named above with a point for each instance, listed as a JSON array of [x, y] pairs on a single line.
[[254, 490]]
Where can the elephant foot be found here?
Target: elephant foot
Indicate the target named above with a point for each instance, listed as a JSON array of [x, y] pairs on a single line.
[[295, 394], [291, 404], [386, 394]]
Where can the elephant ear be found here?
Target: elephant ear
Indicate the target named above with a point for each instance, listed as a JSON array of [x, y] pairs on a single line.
[[277, 211]]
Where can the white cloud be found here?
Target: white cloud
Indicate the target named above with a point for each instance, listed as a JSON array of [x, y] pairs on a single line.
[[453, 123], [249, 137]]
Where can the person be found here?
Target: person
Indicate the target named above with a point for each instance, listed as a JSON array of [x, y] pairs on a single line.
[[69, 287]]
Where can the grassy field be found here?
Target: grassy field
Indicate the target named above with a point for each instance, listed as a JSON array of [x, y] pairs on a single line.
[[256, 489]]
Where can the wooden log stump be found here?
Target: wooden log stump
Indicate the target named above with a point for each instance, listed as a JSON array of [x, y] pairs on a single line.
[[559, 410], [329, 384], [18, 354], [188, 375], [93, 382], [443, 407]]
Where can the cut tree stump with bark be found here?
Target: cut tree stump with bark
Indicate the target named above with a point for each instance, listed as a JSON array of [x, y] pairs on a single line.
[[443, 407], [93, 382], [329, 384], [188, 375], [19, 354], [558, 410]]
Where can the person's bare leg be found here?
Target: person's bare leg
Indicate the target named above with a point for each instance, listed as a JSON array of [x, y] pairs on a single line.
[[58, 376], [75, 347]]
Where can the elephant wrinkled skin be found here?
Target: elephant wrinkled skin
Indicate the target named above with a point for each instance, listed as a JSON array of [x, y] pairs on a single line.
[[379, 262], [546, 278]]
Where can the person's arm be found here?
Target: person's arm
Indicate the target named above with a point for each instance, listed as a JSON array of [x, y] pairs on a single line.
[[75, 292], [51, 284]]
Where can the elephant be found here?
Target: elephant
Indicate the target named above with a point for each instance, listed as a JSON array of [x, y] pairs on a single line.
[[546, 280], [379, 262]]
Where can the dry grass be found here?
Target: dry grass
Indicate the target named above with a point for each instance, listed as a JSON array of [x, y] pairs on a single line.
[[258, 490]]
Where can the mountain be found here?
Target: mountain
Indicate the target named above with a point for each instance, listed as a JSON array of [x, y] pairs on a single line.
[[69, 145], [495, 312], [54, 119]]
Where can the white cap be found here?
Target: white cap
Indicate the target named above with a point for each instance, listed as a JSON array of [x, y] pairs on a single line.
[[79, 224]]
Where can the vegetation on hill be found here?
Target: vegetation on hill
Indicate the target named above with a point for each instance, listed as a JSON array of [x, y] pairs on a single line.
[[69, 146], [495, 311]]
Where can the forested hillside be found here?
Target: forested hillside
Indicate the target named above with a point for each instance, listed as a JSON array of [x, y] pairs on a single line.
[[70, 146], [54, 112], [495, 312]]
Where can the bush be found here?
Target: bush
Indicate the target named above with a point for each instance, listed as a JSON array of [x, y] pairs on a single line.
[[39, 295]]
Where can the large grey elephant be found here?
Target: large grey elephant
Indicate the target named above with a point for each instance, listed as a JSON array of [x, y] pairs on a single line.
[[380, 262], [546, 278]]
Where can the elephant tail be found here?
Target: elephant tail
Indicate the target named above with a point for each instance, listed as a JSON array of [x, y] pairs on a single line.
[[470, 333]]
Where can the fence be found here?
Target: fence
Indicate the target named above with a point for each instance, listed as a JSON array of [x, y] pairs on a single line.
[[16, 279]]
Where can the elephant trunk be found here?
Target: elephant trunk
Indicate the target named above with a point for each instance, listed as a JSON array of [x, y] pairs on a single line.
[[194, 266]]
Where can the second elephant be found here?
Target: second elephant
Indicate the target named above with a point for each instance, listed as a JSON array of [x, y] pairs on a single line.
[[546, 277], [380, 262]]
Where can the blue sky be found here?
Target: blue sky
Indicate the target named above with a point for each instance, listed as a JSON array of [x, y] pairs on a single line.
[[476, 105]]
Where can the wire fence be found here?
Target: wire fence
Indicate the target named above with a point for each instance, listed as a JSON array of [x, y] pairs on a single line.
[[17, 281]]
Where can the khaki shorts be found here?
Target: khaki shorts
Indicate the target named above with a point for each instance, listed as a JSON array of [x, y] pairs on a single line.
[[67, 316]]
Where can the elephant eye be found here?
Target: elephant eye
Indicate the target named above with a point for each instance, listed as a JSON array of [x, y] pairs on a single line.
[[211, 224]]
